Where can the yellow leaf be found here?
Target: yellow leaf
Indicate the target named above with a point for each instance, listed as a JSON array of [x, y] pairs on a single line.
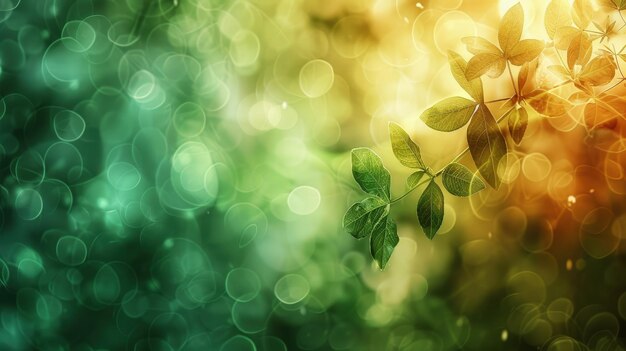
[[525, 51], [458, 66], [579, 97], [604, 110], [526, 73], [511, 26], [517, 122], [496, 70], [564, 36], [548, 104], [481, 63], [560, 71], [478, 45], [557, 16], [613, 4], [582, 13], [579, 50], [598, 71]]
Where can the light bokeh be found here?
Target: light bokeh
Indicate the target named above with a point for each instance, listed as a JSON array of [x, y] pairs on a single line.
[[174, 175]]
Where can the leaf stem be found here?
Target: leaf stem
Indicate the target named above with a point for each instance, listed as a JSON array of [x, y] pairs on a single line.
[[508, 66], [410, 191], [496, 100]]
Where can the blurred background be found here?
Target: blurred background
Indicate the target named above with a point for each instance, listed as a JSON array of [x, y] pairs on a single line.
[[174, 174]]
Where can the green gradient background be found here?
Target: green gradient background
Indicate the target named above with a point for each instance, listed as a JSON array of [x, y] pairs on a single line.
[[175, 181]]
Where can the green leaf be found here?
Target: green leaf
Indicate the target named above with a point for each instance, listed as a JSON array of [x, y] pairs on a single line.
[[406, 151], [369, 173], [384, 240], [449, 114], [518, 121], [430, 209], [362, 218], [487, 145], [458, 66], [460, 181], [414, 179]]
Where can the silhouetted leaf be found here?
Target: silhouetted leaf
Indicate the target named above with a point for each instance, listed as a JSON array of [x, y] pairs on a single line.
[[518, 121], [430, 209], [449, 114], [525, 51], [487, 145], [460, 181], [369, 173], [510, 29], [557, 15], [362, 218], [384, 240], [406, 151], [484, 63], [413, 180], [458, 66]]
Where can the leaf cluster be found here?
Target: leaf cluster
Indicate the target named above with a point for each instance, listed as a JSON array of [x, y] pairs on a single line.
[[584, 64]]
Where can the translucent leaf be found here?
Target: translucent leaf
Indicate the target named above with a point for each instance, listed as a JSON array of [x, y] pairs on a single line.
[[560, 71], [430, 209], [458, 66], [599, 71], [557, 15], [604, 110], [582, 12], [526, 75], [460, 181], [548, 104], [369, 173], [517, 122], [510, 29], [482, 63], [487, 145], [613, 4], [478, 45], [449, 114], [362, 218], [564, 36], [406, 151], [384, 240], [579, 50], [525, 51], [413, 180]]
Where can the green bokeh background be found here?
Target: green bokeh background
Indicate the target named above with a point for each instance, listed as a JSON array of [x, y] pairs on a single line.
[[173, 178]]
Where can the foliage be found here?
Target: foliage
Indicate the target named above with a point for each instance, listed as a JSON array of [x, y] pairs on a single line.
[[581, 40]]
